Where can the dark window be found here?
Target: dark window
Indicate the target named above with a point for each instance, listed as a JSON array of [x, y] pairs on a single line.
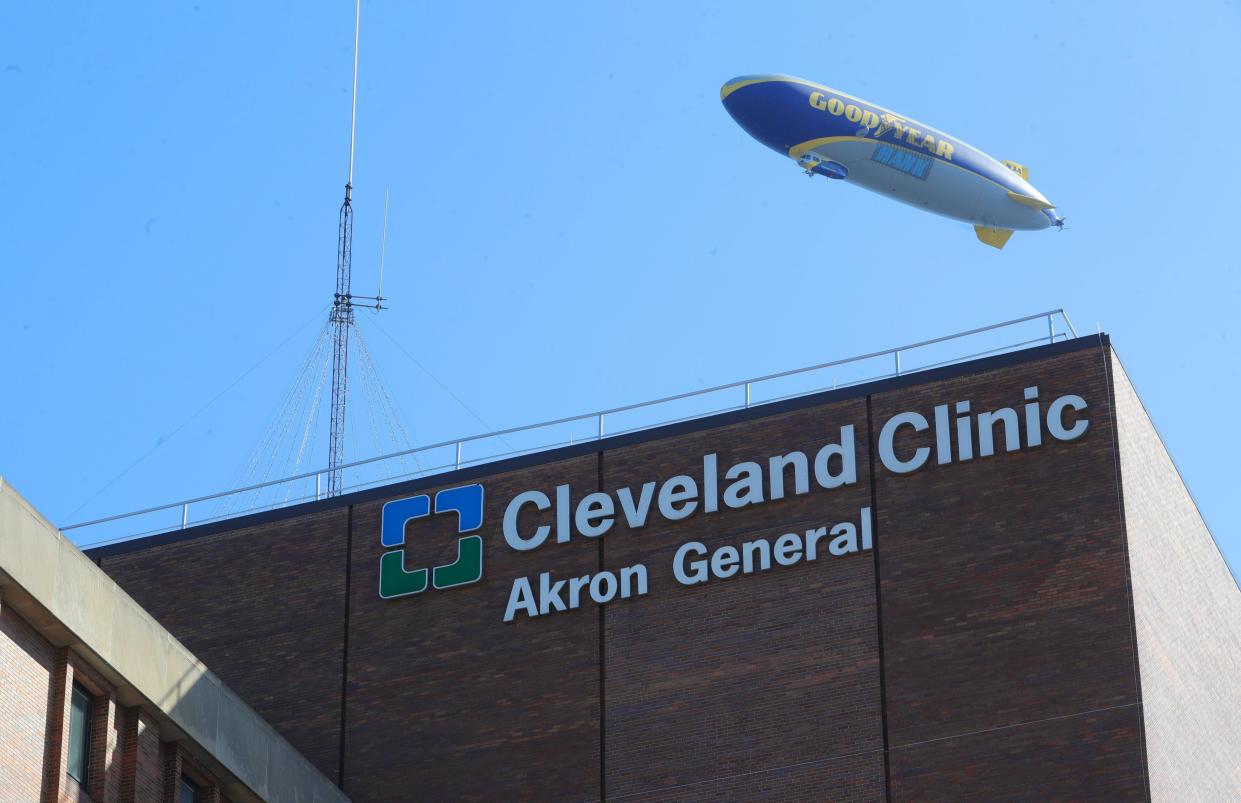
[[905, 161], [79, 734], [190, 791]]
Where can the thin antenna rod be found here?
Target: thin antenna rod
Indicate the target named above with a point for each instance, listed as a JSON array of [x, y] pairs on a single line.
[[383, 244], [353, 125], [341, 316]]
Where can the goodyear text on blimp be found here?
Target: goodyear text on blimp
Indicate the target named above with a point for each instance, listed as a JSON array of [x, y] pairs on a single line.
[[880, 124]]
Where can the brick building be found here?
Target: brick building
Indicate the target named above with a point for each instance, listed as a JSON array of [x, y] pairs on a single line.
[[979, 581], [99, 703]]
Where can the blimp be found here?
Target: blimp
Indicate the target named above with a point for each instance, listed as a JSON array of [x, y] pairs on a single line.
[[832, 134]]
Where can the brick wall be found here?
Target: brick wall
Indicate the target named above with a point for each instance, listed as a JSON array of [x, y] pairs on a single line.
[[751, 684], [104, 756], [172, 774], [1005, 604], [105, 752], [26, 661], [1188, 611], [142, 758], [264, 608], [105, 768], [209, 791], [440, 686], [128, 762], [57, 785], [985, 642]]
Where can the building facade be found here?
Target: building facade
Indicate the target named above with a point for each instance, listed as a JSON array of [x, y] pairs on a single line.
[[99, 703], [974, 582]]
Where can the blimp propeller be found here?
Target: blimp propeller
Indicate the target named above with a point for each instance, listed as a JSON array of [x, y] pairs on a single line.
[[835, 135]]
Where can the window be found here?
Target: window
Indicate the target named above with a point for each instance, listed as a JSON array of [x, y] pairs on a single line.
[[79, 734], [189, 791], [905, 161]]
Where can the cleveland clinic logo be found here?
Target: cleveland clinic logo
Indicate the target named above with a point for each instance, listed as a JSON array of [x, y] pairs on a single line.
[[398, 580]]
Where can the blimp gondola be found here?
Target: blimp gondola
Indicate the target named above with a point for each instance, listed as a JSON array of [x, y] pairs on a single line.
[[832, 134]]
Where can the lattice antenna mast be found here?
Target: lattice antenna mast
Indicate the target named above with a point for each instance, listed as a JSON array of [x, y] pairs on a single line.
[[341, 316]]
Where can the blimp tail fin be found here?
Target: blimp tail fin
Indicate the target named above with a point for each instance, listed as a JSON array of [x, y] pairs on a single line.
[[1037, 203], [996, 238], [1019, 169]]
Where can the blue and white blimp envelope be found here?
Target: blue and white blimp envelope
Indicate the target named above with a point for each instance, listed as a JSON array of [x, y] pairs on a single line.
[[832, 134]]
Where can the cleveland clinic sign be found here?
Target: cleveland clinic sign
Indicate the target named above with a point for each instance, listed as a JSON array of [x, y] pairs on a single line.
[[541, 518]]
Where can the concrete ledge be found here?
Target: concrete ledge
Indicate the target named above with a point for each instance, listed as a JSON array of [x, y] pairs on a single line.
[[75, 603]]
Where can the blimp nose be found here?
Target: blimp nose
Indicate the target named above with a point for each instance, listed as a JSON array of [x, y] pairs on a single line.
[[763, 106], [731, 86], [747, 104]]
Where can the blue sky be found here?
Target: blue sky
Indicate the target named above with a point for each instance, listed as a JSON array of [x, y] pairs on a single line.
[[576, 223]]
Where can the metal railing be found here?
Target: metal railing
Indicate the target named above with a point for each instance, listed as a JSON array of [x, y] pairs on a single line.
[[450, 454]]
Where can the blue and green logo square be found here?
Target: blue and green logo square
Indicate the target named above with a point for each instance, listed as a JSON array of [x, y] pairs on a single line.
[[395, 578]]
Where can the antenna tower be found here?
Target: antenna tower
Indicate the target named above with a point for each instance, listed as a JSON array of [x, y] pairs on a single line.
[[341, 316]]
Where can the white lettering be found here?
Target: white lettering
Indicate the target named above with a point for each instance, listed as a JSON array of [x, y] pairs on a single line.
[[563, 504], [698, 568], [958, 435], [943, 436], [680, 490], [575, 589], [801, 471], [748, 488], [846, 450], [694, 564], [965, 435], [515, 539], [636, 515], [598, 583], [630, 573], [710, 484], [602, 587], [521, 597], [752, 549], [812, 542], [986, 435], [725, 562], [1034, 422], [887, 454], [549, 594], [595, 506], [1055, 418], [788, 549], [845, 541]]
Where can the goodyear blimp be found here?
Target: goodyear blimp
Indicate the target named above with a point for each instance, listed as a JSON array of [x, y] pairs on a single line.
[[832, 134]]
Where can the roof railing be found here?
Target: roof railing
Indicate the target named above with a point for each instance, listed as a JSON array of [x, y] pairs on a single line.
[[297, 488]]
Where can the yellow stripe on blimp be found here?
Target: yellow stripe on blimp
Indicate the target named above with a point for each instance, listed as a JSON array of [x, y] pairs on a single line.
[[733, 86], [730, 88], [800, 150]]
